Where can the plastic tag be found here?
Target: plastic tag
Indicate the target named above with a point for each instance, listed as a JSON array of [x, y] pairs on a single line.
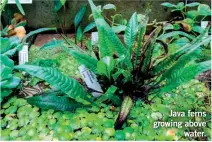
[[94, 38], [91, 81], [23, 55]]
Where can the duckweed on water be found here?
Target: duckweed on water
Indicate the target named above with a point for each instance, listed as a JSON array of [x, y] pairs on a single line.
[[22, 121]]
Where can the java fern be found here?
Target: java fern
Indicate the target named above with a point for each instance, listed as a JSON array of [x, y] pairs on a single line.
[[127, 70]]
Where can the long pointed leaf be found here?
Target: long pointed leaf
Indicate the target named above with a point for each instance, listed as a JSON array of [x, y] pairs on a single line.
[[55, 78]]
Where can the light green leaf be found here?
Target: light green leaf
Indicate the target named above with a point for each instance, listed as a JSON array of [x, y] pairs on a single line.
[[20, 7], [198, 29], [193, 4], [167, 4], [180, 5], [105, 66], [119, 28], [192, 14], [79, 16], [109, 6], [204, 10]]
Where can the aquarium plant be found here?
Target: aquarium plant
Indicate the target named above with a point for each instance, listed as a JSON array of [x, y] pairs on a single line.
[[126, 71]]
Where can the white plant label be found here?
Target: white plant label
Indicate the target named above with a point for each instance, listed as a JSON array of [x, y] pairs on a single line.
[[91, 81], [23, 55], [21, 1], [94, 38]]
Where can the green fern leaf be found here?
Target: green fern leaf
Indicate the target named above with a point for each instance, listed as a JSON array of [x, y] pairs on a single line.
[[167, 62], [62, 82], [131, 32], [108, 40], [184, 75]]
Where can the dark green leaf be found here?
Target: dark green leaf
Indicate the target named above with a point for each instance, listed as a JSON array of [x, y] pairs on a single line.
[[52, 101], [36, 32], [79, 16], [79, 33], [89, 27]]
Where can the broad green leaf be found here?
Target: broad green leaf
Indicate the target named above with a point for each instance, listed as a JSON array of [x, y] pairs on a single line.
[[192, 14], [89, 27], [119, 28], [5, 60], [36, 32], [105, 66], [193, 4], [180, 5], [130, 33], [5, 45], [4, 93], [58, 4], [79, 16], [198, 29], [10, 83], [6, 72], [109, 6], [109, 43], [204, 10], [55, 78], [167, 4], [110, 96], [48, 100], [168, 27], [79, 33], [20, 7]]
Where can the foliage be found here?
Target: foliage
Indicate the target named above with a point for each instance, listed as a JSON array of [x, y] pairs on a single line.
[[53, 100], [9, 46], [192, 17], [135, 72], [58, 4], [77, 23], [22, 121], [4, 2]]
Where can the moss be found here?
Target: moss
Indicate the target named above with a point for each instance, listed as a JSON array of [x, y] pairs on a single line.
[[67, 64]]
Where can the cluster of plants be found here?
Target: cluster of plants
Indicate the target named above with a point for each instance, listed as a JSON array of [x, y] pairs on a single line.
[[22, 121], [126, 72], [140, 79]]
